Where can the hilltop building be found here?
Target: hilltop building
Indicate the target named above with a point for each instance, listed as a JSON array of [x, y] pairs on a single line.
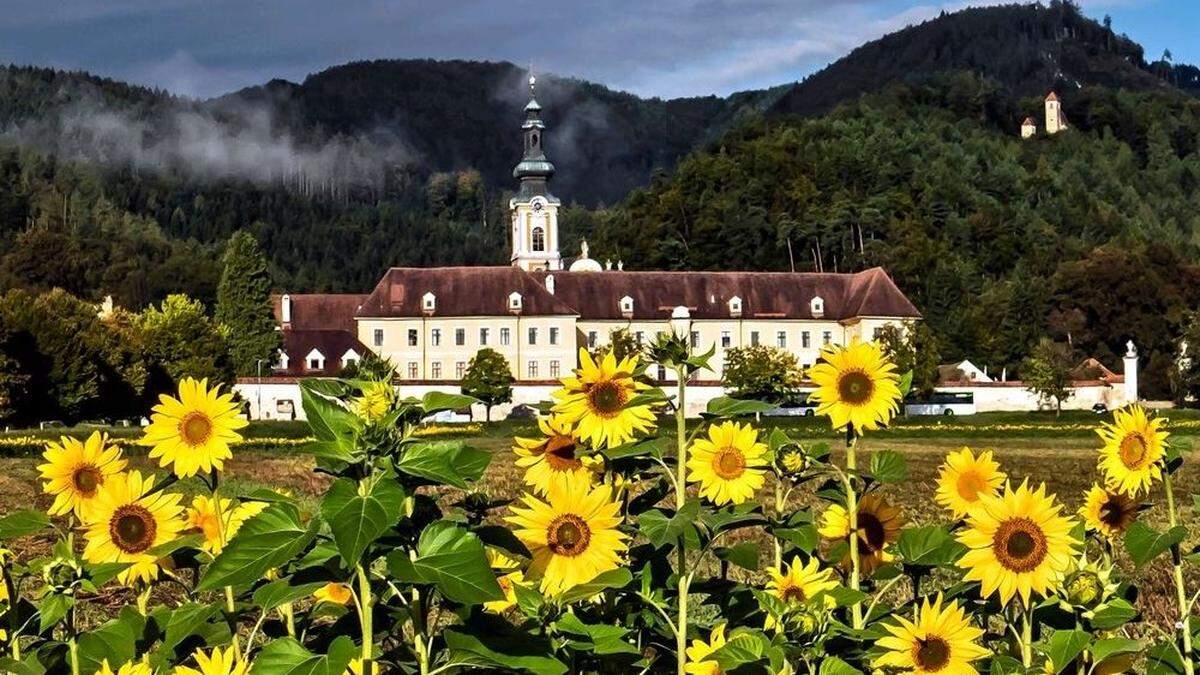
[[430, 322], [1056, 121]]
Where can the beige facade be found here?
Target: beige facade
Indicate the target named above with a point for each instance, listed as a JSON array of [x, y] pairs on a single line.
[[439, 348]]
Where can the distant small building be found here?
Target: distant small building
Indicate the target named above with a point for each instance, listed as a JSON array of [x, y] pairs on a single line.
[[1056, 121], [1028, 128], [963, 371]]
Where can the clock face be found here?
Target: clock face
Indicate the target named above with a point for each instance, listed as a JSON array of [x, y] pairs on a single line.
[[537, 206]]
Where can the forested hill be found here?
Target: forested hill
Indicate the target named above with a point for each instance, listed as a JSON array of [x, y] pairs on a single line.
[[1028, 49]]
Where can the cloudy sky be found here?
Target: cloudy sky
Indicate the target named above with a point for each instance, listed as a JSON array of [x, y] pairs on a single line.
[[650, 47]]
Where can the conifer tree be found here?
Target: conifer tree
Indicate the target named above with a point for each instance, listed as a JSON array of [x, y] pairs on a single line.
[[244, 304]]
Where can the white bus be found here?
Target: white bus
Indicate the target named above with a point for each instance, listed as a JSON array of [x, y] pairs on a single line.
[[942, 403]]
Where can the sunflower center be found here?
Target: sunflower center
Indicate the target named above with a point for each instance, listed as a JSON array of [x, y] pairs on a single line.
[[871, 534], [1115, 510], [1133, 450], [568, 535], [87, 479], [505, 584], [195, 428], [1019, 545], [606, 399], [931, 654], [560, 454], [729, 463], [970, 485], [855, 387], [792, 594], [132, 528]]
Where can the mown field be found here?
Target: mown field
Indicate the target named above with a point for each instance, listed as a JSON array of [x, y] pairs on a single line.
[[1060, 451]]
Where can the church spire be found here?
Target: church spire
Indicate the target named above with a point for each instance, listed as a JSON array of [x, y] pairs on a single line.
[[534, 210], [534, 170]]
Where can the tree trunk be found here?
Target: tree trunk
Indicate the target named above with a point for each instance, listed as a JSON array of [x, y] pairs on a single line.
[[487, 413]]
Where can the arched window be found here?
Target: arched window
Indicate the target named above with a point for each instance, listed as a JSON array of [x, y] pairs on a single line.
[[539, 239]]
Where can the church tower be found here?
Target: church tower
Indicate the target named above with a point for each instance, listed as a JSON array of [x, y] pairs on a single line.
[[1055, 120], [534, 210]]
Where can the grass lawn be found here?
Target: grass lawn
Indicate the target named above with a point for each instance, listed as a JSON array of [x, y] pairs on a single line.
[[1057, 450]]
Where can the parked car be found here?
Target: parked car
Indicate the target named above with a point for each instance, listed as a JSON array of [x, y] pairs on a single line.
[[941, 403], [1100, 408], [798, 407]]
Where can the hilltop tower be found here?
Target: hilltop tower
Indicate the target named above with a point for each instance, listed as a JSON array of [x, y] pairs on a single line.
[[1055, 120], [534, 210], [1028, 128]]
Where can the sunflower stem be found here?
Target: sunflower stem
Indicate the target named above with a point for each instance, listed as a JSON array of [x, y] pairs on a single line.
[[779, 516], [1185, 623], [852, 513], [14, 625], [230, 606], [681, 628], [1027, 636], [365, 609]]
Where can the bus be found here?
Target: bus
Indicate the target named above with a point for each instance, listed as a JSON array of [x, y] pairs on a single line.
[[942, 403]]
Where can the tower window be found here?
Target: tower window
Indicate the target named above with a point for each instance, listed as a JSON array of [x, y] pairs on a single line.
[[533, 141], [539, 239]]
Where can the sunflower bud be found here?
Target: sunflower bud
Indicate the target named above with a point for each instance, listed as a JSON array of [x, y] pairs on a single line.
[[1083, 589], [670, 350], [793, 461]]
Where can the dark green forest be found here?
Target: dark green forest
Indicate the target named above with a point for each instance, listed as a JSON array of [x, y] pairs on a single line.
[[1089, 236]]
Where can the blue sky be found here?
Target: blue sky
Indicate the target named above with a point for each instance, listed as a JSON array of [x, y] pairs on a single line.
[[658, 48]]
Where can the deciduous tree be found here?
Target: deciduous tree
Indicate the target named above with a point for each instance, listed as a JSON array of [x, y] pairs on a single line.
[[489, 379]]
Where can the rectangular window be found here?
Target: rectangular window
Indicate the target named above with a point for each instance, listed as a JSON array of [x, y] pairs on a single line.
[[504, 337], [826, 337], [726, 338], [314, 364], [640, 337], [806, 340], [460, 337], [876, 333], [378, 338], [554, 368], [695, 339], [533, 370], [554, 335], [781, 339], [412, 370], [435, 370], [662, 373], [753, 338], [483, 337], [435, 337], [459, 368], [533, 335], [412, 337], [593, 337]]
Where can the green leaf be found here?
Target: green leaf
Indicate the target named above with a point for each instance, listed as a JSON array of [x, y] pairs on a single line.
[[1144, 543], [743, 555], [185, 621], [445, 462], [516, 651], [286, 656], [53, 608], [844, 597], [453, 559], [1065, 646], [928, 546], [329, 420], [281, 591], [359, 512], [102, 573], [596, 638], [889, 466], [1164, 659], [805, 537], [22, 523], [906, 384], [437, 401], [1116, 612], [618, 578], [832, 665], [725, 406], [662, 530], [115, 641], [1110, 647], [741, 649], [269, 539], [30, 666], [1003, 664]]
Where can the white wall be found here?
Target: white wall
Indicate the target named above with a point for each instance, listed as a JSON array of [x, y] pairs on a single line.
[[1014, 397]]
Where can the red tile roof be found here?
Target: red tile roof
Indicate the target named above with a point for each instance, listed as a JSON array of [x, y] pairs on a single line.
[[1029, 122], [333, 345], [321, 321], [1052, 96], [460, 291], [320, 311]]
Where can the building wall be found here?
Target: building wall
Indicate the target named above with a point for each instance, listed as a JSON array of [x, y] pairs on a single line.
[[427, 361]]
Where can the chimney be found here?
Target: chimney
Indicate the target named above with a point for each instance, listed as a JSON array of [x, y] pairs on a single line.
[[550, 283], [285, 309], [620, 265], [1131, 373]]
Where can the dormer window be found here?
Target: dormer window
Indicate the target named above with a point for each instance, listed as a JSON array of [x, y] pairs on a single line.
[[817, 307], [514, 301], [282, 363], [349, 357], [735, 306], [315, 360], [429, 302], [627, 305]]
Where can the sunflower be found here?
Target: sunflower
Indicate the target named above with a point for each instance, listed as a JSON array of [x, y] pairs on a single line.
[[550, 458], [1108, 512], [573, 536], [202, 517], [128, 521], [938, 640], [729, 464], [193, 432], [964, 478], [374, 402], [76, 470], [879, 524], [793, 461], [856, 385], [799, 583], [216, 662], [510, 576], [333, 592], [597, 401], [128, 668], [701, 650], [1087, 585], [1133, 446], [1018, 543]]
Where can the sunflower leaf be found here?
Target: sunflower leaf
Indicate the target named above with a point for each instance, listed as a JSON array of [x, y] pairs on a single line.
[[438, 401], [1144, 543], [282, 591], [445, 462], [889, 466], [1110, 647], [453, 559], [743, 555], [267, 540], [1113, 614], [359, 512], [617, 578], [1065, 646], [835, 666], [501, 648], [928, 546], [22, 523], [286, 656], [725, 406]]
